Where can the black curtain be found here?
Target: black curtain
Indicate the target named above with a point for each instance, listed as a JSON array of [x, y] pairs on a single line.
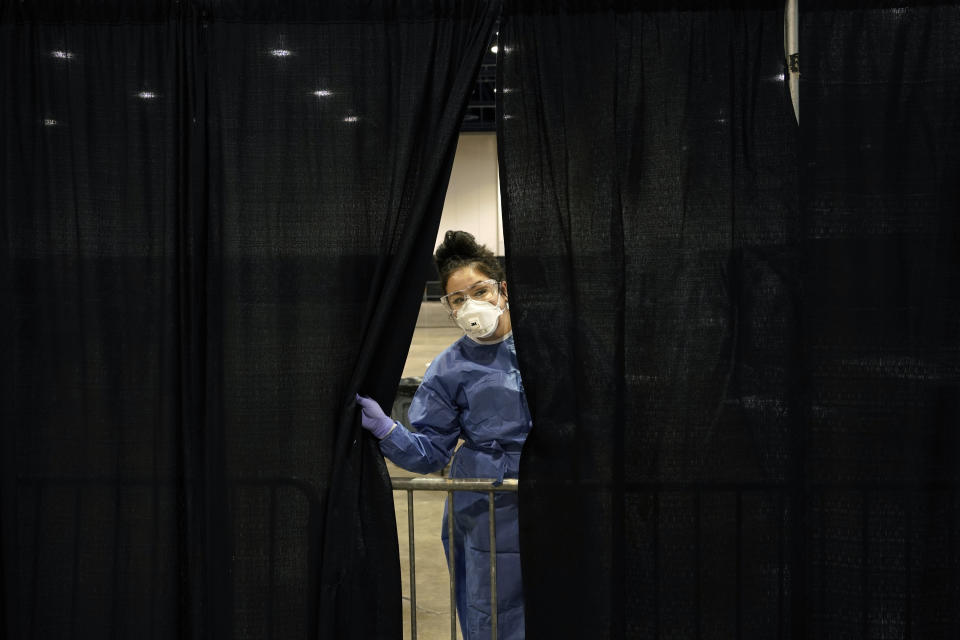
[[880, 196], [738, 336], [217, 221]]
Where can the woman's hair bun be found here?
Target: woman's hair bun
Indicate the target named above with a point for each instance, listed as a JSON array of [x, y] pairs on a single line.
[[458, 245], [460, 249]]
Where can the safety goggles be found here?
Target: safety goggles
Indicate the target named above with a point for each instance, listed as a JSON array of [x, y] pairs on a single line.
[[483, 291]]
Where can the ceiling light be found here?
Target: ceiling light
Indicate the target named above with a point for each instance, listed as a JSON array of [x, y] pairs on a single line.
[[147, 95], [351, 119], [280, 53], [322, 93], [61, 55], [49, 122]]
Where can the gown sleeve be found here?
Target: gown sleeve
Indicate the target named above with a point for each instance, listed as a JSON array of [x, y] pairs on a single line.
[[437, 420]]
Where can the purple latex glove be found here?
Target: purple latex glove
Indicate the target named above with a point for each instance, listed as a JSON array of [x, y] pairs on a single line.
[[373, 419]]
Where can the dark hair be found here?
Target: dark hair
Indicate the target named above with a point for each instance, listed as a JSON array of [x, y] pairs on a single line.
[[460, 249]]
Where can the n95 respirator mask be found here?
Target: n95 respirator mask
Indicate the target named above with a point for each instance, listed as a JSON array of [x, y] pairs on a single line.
[[478, 319]]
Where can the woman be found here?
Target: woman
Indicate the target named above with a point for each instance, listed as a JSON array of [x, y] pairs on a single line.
[[471, 392]]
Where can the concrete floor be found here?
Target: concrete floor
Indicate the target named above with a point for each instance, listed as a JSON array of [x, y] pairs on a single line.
[[434, 333]]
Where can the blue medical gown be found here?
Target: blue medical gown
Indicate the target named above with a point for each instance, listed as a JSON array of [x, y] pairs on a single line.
[[473, 392]]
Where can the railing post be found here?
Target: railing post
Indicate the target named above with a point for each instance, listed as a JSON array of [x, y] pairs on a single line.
[[493, 569], [413, 570], [453, 568]]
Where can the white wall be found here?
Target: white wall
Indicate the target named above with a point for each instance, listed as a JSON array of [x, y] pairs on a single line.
[[473, 197]]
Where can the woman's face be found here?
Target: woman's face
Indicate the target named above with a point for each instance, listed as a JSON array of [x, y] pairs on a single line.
[[466, 277]]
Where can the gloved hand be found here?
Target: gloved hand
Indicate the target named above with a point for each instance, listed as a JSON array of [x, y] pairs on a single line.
[[373, 419]]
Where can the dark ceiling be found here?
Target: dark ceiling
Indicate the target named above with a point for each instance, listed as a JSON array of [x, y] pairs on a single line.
[[481, 110]]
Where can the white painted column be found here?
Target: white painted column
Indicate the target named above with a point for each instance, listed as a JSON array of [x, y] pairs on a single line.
[[791, 47]]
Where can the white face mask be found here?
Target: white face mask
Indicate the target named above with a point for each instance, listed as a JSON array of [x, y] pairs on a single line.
[[479, 319]]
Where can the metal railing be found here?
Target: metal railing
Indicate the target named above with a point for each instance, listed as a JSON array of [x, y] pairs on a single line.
[[451, 485]]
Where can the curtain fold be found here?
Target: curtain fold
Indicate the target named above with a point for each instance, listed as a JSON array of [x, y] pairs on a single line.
[[217, 222]]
